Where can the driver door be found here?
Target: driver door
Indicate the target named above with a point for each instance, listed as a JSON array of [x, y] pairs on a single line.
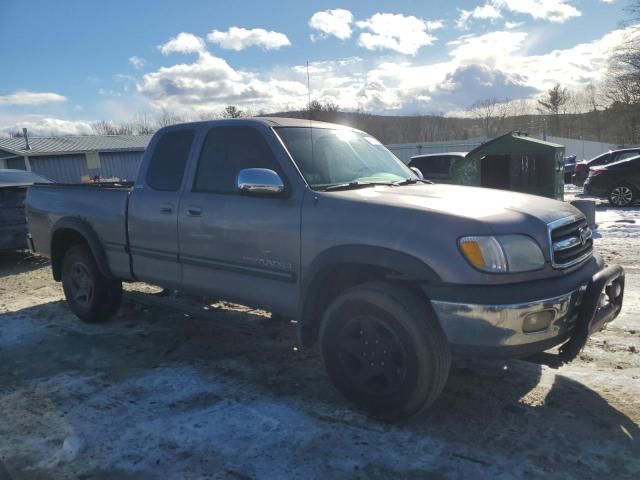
[[236, 245]]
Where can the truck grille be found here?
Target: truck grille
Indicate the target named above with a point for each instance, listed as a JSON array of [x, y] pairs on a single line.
[[571, 241]]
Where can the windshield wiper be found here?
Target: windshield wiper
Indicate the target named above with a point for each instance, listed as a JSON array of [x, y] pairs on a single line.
[[411, 181], [351, 186]]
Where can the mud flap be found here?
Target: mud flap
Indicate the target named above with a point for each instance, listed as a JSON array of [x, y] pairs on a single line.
[[606, 285]]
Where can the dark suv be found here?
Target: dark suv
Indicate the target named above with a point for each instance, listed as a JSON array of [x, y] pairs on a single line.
[[618, 181], [582, 168], [436, 166]]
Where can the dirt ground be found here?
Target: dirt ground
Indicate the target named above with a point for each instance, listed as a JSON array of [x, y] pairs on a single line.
[[173, 388]]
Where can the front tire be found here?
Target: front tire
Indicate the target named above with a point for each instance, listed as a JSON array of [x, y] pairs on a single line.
[[622, 195], [384, 350], [91, 296]]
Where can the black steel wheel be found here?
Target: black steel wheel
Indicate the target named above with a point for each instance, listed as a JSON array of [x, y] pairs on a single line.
[[621, 195], [384, 350], [91, 296]]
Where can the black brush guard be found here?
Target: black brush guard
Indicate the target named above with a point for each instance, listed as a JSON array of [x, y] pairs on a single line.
[[593, 315]]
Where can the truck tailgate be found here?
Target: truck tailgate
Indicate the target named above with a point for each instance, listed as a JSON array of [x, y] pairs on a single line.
[[13, 225]]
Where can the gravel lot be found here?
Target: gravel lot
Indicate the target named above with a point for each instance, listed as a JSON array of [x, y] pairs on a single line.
[[177, 388]]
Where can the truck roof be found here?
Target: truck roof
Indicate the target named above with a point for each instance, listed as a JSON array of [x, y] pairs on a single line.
[[271, 122]]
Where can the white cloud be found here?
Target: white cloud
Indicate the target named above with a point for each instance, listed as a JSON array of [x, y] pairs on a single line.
[[404, 34], [496, 64], [512, 25], [210, 83], [137, 62], [484, 12], [434, 24], [237, 38], [27, 98], [558, 11], [47, 126], [183, 43], [335, 23], [487, 48]]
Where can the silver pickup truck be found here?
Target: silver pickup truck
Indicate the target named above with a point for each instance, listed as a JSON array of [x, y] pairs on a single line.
[[388, 273]]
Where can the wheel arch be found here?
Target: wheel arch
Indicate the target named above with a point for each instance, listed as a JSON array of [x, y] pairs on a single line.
[[68, 232], [339, 268]]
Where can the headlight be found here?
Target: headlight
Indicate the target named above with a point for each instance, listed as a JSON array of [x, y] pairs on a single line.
[[502, 253]]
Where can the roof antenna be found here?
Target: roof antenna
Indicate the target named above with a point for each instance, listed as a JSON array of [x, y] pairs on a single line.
[[26, 139], [308, 92]]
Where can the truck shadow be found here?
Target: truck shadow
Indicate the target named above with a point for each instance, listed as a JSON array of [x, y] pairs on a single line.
[[20, 261], [517, 405]]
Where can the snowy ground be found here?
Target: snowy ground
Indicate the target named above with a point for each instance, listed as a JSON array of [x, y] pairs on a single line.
[[173, 388]]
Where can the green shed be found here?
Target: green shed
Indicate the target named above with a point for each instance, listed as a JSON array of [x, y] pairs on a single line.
[[515, 162]]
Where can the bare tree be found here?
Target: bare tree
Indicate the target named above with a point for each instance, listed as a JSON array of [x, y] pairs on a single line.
[[142, 124], [232, 111], [492, 114], [166, 118], [105, 127], [622, 89]]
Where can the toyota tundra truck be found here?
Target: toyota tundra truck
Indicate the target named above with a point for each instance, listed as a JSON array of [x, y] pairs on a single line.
[[389, 274]]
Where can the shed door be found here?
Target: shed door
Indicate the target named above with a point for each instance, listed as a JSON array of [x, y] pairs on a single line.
[[526, 178], [495, 171]]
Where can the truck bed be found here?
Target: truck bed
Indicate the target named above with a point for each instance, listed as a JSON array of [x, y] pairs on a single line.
[[103, 206]]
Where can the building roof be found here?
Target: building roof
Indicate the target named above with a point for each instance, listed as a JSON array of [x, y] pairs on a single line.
[[74, 144], [440, 154], [511, 137]]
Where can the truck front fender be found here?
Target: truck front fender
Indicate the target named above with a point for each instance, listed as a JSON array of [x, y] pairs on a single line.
[[322, 279], [69, 231]]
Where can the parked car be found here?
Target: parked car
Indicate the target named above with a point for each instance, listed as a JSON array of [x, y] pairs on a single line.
[[618, 181], [581, 171], [569, 167], [435, 166], [13, 224], [390, 274]]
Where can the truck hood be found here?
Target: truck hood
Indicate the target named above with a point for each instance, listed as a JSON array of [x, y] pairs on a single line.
[[486, 205]]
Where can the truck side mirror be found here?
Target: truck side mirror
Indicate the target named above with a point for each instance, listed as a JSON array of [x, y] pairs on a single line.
[[417, 172], [259, 181]]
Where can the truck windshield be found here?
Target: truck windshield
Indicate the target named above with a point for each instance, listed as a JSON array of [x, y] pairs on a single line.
[[342, 157]]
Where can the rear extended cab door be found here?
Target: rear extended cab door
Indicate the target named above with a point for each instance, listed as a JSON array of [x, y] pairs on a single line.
[[234, 245], [153, 207]]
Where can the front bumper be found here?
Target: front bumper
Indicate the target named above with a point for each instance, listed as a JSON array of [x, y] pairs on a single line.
[[524, 328]]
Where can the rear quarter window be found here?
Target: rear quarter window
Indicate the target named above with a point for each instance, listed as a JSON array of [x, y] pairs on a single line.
[[169, 159]]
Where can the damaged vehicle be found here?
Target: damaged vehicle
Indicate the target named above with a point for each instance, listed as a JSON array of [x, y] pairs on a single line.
[[13, 191], [390, 275]]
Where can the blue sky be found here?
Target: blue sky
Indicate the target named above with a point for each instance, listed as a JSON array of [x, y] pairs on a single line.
[[69, 63]]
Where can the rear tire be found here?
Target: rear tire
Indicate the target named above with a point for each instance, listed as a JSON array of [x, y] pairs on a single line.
[[622, 195], [91, 296], [384, 350]]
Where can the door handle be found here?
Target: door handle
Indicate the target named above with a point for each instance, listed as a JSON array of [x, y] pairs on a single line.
[[194, 211], [166, 208]]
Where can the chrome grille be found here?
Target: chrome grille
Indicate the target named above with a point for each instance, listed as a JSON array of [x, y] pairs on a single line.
[[571, 241]]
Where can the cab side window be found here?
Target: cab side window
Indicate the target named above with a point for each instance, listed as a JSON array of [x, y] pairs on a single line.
[[225, 152], [169, 159]]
